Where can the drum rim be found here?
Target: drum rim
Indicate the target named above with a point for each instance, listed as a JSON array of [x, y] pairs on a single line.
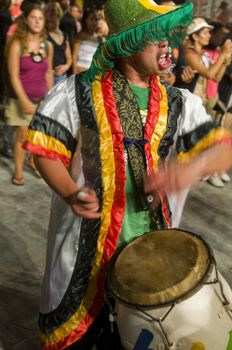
[[110, 293]]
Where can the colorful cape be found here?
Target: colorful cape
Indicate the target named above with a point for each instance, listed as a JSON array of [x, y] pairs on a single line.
[[85, 114]]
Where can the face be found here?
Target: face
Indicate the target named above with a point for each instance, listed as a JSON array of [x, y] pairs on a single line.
[[203, 37], [102, 28], [65, 4], [43, 5], [91, 22], [155, 59], [35, 21], [101, 13], [76, 13], [52, 20]]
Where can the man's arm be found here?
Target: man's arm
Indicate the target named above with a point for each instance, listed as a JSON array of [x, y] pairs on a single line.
[[177, 176], [83, 202]]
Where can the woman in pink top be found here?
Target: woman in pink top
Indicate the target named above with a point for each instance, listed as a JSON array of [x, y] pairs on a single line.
[[207, 66], [30, 70]]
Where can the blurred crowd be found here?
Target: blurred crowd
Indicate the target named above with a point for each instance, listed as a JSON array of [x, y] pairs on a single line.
[[44, 42]]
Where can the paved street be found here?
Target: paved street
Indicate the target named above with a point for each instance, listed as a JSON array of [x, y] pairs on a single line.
[[23, 223], [24, 219]]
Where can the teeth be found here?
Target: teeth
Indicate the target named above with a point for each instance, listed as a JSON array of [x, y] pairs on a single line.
[[163, 56]]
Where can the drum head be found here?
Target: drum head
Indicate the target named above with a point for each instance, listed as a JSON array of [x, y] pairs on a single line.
[[158, 268]]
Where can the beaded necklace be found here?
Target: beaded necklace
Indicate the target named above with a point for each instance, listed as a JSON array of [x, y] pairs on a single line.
[[37, 57]]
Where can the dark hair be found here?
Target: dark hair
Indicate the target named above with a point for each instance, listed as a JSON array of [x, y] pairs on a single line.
[[191, 35], [76, 5], [86, 14], [5, 5], [28, 6], [217, 26], [227, 36], [54, 8], [53, 14]]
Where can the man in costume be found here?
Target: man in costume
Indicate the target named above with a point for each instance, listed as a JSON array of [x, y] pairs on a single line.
[[114, 143]]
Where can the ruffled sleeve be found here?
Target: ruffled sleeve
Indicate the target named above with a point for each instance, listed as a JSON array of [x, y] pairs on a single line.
[[197, 131], [54, 128]]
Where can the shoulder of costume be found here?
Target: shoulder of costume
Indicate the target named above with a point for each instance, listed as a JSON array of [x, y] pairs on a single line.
[[171, 90]]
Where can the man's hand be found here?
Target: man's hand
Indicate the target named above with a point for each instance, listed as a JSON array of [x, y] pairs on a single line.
[[85, 203], [174, 177]]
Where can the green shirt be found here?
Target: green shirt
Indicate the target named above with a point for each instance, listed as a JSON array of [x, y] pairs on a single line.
[[135, 222]]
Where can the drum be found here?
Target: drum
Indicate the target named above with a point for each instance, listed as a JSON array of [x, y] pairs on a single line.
[[168, 294]]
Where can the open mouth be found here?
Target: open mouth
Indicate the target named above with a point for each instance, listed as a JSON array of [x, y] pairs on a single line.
[[164, 60]]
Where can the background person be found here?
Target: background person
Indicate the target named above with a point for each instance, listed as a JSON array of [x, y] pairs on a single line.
[[184, 74], [86, 42], [6, 21], [197, 58], [62, 58], [30, 70], [15, 8], [206, 68], [224, 12], [67, 22], [102, 30], [225, 85], [76, 12], [212, 87], [213, 50]]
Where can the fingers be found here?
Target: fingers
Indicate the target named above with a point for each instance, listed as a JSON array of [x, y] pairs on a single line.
[[149, 182], [85, 203], [152, 184], [176, 177], [87, 214], [154, 181], [172, 178]]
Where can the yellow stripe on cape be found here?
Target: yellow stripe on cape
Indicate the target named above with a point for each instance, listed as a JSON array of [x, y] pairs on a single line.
[[108, 176], [161, 125]]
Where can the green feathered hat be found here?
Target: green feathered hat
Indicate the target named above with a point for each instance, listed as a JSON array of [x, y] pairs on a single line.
[[134, 25]]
